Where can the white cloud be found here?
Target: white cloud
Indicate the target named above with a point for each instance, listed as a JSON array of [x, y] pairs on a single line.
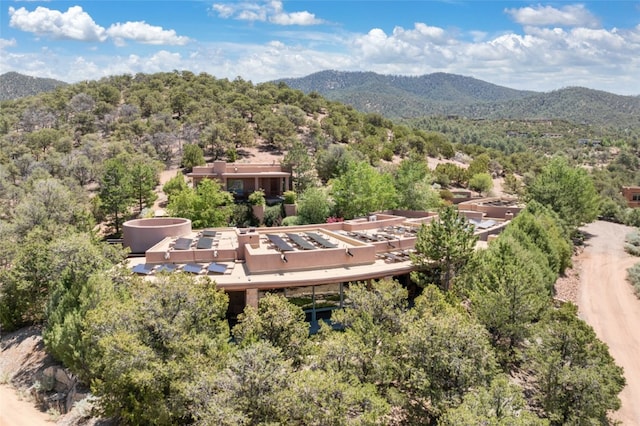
[[4, 43], [421, 43], [74, 24], [575, 15], [224, 10], [478, 36], [270, 11], [295, 18], [142, 32], [424, 44]]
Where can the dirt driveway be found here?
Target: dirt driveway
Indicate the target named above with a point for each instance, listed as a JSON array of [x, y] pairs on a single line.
[[606, 301], [15, 411]]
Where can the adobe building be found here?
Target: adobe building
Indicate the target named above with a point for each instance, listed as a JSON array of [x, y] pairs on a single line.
[[241, 179], [494, 207], [308, 264], [632, 195]]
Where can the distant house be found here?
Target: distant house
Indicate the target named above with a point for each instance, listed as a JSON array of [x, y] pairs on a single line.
[[632, 195], [242, 179]]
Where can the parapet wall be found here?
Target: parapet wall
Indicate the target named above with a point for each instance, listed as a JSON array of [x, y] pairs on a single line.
[[275, 262], [494, 207], [142, 234]]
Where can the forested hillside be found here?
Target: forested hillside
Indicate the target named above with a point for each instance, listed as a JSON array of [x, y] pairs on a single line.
[[14, 85], [483, 342], [449, 94]]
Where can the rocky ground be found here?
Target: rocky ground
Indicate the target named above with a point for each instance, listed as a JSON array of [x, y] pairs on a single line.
[[34, 389], [567, 286]]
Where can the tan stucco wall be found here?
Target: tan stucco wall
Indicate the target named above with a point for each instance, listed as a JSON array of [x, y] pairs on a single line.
[[260, 262], [488, 210], [141, 234]]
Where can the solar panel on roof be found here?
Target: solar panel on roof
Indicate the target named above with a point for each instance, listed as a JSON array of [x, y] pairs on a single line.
[[142, 268], [217, 268], [366, 237], [485, 224], [167, 267], [301, 242], [204, 243], [183, 244], [321, 240], [209, 233], [280, 243], [192, 268]]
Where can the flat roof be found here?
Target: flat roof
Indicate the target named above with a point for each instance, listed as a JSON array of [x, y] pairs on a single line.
[[355, 250], [238, 278]]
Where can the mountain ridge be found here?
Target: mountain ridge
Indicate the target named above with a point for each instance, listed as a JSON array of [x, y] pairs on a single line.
[[451, 94]]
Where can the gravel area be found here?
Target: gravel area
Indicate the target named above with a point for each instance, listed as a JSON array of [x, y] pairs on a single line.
[[567, 286]]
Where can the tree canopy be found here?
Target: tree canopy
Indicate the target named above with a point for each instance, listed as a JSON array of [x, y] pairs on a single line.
[[362, 190], [443, 248], [569, 191], [208, 205]]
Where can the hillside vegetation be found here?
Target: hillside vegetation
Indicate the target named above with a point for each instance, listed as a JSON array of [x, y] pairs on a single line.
[[450, 94], [14, 85]]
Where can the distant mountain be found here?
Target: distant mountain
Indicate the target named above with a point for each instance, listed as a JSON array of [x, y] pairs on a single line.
[[14, 85], [576, 104], [450, 94], [404, 96]]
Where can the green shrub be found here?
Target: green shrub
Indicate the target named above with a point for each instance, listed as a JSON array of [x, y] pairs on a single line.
[[632, 217], [232, 155], [300, 301], [633, 237], [633, 276], [242, 216], [314, 206], [290, 221], [446, 195], [387, 154], [289, 197], [632, 250], [272, 215], [257, 198], [632, 243]]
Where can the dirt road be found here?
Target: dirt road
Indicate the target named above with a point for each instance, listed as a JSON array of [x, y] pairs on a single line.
[[606, 301], [19, 412]]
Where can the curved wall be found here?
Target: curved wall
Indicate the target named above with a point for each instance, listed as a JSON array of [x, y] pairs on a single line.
[[142, 234]]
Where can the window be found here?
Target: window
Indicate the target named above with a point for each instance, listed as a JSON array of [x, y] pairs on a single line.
[[235, 186], [635, 197]]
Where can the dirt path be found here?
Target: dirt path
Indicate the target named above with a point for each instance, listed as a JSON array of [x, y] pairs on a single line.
[[606, 301], [19, 412]]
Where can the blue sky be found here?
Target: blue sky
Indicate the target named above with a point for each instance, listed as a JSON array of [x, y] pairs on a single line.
[[538, 46]]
